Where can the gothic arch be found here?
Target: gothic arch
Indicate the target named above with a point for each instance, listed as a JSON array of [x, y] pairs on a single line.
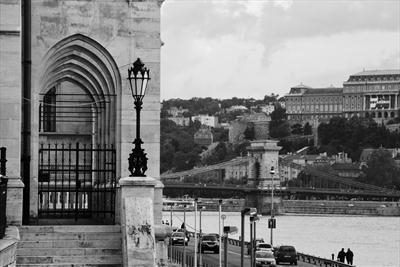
[[82, 61]]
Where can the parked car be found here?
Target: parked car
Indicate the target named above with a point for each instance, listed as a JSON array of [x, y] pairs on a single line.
[[179, 238], [265, 258], [180, 230], [264, 246], [209, 243], [256, 242], [285, 254]]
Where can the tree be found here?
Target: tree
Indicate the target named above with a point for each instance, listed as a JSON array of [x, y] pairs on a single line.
[[297, 128], [280, 130], [249, 133], [307, 129], [381, 170]]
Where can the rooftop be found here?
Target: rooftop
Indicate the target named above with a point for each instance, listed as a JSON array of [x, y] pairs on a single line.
[[377, 72], [328, 90]]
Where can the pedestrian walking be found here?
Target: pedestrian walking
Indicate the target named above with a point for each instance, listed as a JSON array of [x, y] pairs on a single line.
[[349, 256], [341, 255]]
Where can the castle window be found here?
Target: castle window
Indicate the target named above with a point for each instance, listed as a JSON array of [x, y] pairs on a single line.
[[49, 111]]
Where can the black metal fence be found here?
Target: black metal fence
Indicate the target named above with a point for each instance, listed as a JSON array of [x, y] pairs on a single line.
[[3, 192], [77, 181], [176, 256]]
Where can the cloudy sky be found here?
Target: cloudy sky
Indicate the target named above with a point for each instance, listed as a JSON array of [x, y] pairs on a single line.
[[251, 48]]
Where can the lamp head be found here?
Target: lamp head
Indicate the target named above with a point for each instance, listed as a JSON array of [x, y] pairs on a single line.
[[138, 77]]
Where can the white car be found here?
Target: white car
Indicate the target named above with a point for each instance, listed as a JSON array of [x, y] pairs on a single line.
[[265, 258], [263, 246]]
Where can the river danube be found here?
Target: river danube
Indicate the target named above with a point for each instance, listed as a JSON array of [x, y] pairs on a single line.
[[375, 241]]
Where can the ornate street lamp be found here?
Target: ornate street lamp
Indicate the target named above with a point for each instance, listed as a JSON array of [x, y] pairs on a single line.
[[138, 77]]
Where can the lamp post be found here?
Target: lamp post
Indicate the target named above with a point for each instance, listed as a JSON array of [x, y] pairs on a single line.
[[138, 77], [242, 214], [184, 240], [200, 240], [253, 237], [219, 230], [195, 232], [272, 172]]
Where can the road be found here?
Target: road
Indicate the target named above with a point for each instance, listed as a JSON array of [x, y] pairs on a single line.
[[233, 256]]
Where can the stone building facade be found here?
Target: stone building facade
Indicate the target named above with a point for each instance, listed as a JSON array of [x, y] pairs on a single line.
[[204, 136], [304, 103], [373, 94], [74, 89]]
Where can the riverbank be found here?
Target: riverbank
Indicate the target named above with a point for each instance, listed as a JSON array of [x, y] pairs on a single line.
[[322, 207], [371, 208]]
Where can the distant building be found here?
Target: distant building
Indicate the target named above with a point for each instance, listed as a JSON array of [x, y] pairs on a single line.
[[347, 170], [237, 171], [210, 121], [236, 108], [203, 136], [373, 94], [181, 121], [304, 103], [177, 112], [367, 152], [260, 122], [268, 109], [291, 165]]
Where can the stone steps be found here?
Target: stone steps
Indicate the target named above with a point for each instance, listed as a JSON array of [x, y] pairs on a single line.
[[78, 245]]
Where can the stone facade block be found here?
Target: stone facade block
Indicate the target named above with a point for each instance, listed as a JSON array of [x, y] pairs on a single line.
[[14, 201]]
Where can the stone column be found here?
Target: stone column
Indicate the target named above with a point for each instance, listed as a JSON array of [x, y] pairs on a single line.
[[14, 201], [137, 220]]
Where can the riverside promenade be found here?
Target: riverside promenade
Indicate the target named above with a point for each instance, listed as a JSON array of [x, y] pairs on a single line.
[[212, 260]]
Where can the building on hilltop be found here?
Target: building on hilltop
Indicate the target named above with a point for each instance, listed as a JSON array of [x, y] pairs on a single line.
[[204, 136], [304, 103], [372, 94], [210, 121], [177, 112], [258, 121], [180, 120]]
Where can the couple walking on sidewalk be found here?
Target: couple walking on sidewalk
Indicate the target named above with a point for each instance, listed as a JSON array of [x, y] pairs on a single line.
[[348, 255]]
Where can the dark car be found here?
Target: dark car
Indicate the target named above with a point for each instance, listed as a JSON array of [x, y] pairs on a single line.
[[209, 243], [285, 254], [179, 238]]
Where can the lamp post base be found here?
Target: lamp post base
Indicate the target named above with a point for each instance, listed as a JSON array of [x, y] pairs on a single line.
[[137, 160]]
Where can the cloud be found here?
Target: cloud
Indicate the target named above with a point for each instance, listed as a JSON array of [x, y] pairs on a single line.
[[227, 48]]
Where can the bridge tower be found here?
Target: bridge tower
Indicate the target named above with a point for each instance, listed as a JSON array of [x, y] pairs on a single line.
[[264, 154], [264, 159]]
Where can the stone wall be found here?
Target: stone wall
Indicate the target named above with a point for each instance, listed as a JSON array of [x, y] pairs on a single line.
[[374, 208], [124, 29], [10, 83]]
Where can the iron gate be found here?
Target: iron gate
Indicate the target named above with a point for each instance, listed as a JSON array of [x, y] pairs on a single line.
[[77, 181]]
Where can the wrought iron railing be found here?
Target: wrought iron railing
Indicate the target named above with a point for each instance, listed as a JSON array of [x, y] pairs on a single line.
[[3, 192], [176, 256]]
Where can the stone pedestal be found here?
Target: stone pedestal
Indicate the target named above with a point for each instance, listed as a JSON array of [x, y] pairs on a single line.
[[137, 220], [158, 202], [14, 201]]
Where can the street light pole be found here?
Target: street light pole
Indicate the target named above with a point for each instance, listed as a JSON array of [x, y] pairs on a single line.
[[195, 232], [200, 239], [219, 231], [184, 240], [242, 214], [170, 217], [272, 172], [251, 242], [138, 77]]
